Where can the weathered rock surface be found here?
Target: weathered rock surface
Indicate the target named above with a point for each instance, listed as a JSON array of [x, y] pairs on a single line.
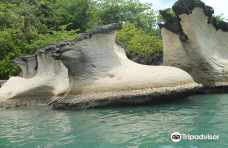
[[51, 79], [196, 42], [28, 65], [13, 103], [126, 98], [96, 64]]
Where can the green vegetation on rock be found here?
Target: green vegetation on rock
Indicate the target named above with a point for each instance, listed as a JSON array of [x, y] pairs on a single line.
[[220, 17], [138, 41]]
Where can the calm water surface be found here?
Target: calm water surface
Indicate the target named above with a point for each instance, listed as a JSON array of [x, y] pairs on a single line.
[[132, 127]]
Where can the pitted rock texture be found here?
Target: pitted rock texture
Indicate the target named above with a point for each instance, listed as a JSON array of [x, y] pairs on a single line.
[[219, 87], [203, 54], [126, 98], [13, 103]]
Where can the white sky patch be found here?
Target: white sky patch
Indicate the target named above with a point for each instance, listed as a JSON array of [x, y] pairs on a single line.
[[158, 4], [220, 6]]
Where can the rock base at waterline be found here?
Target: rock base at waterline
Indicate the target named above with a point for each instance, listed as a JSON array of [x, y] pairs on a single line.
[[214, 88], [13, 103], [121, 98], [126, 98]]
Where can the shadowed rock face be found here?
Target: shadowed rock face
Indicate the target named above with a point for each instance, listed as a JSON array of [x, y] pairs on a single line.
[[196, 42], [2, 82], [156, 59]]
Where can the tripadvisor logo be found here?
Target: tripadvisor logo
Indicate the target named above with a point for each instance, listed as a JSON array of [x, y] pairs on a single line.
[[176, 137]]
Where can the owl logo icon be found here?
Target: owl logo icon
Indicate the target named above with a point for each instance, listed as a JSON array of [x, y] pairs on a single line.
[[176, 137]]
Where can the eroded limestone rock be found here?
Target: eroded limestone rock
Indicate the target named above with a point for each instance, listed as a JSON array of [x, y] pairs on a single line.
[[196, 42], [51, 79], [96, 64], [28, 65]]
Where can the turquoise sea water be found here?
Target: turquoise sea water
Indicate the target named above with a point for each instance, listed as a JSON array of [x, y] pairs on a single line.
[[142, 126]]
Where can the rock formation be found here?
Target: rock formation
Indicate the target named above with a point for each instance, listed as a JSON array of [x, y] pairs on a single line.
[[2, 82], [96, 64], [28, 65], [196, 42], [48, 79]]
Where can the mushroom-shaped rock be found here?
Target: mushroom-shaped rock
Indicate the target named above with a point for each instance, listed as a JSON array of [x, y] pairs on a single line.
[[98, 65]]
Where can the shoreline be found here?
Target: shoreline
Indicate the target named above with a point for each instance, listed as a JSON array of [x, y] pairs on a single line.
[[126, 98], [136, 97], [118, 98], [14, 103], [107, 99]]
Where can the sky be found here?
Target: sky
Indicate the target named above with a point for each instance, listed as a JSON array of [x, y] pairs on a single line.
[[220, 6]]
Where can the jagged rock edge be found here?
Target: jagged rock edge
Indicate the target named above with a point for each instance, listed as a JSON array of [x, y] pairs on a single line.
[[22, 60], [55, 48], [186, 8]]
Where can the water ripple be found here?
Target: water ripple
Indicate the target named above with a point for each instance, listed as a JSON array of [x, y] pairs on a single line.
[[133, 127]]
